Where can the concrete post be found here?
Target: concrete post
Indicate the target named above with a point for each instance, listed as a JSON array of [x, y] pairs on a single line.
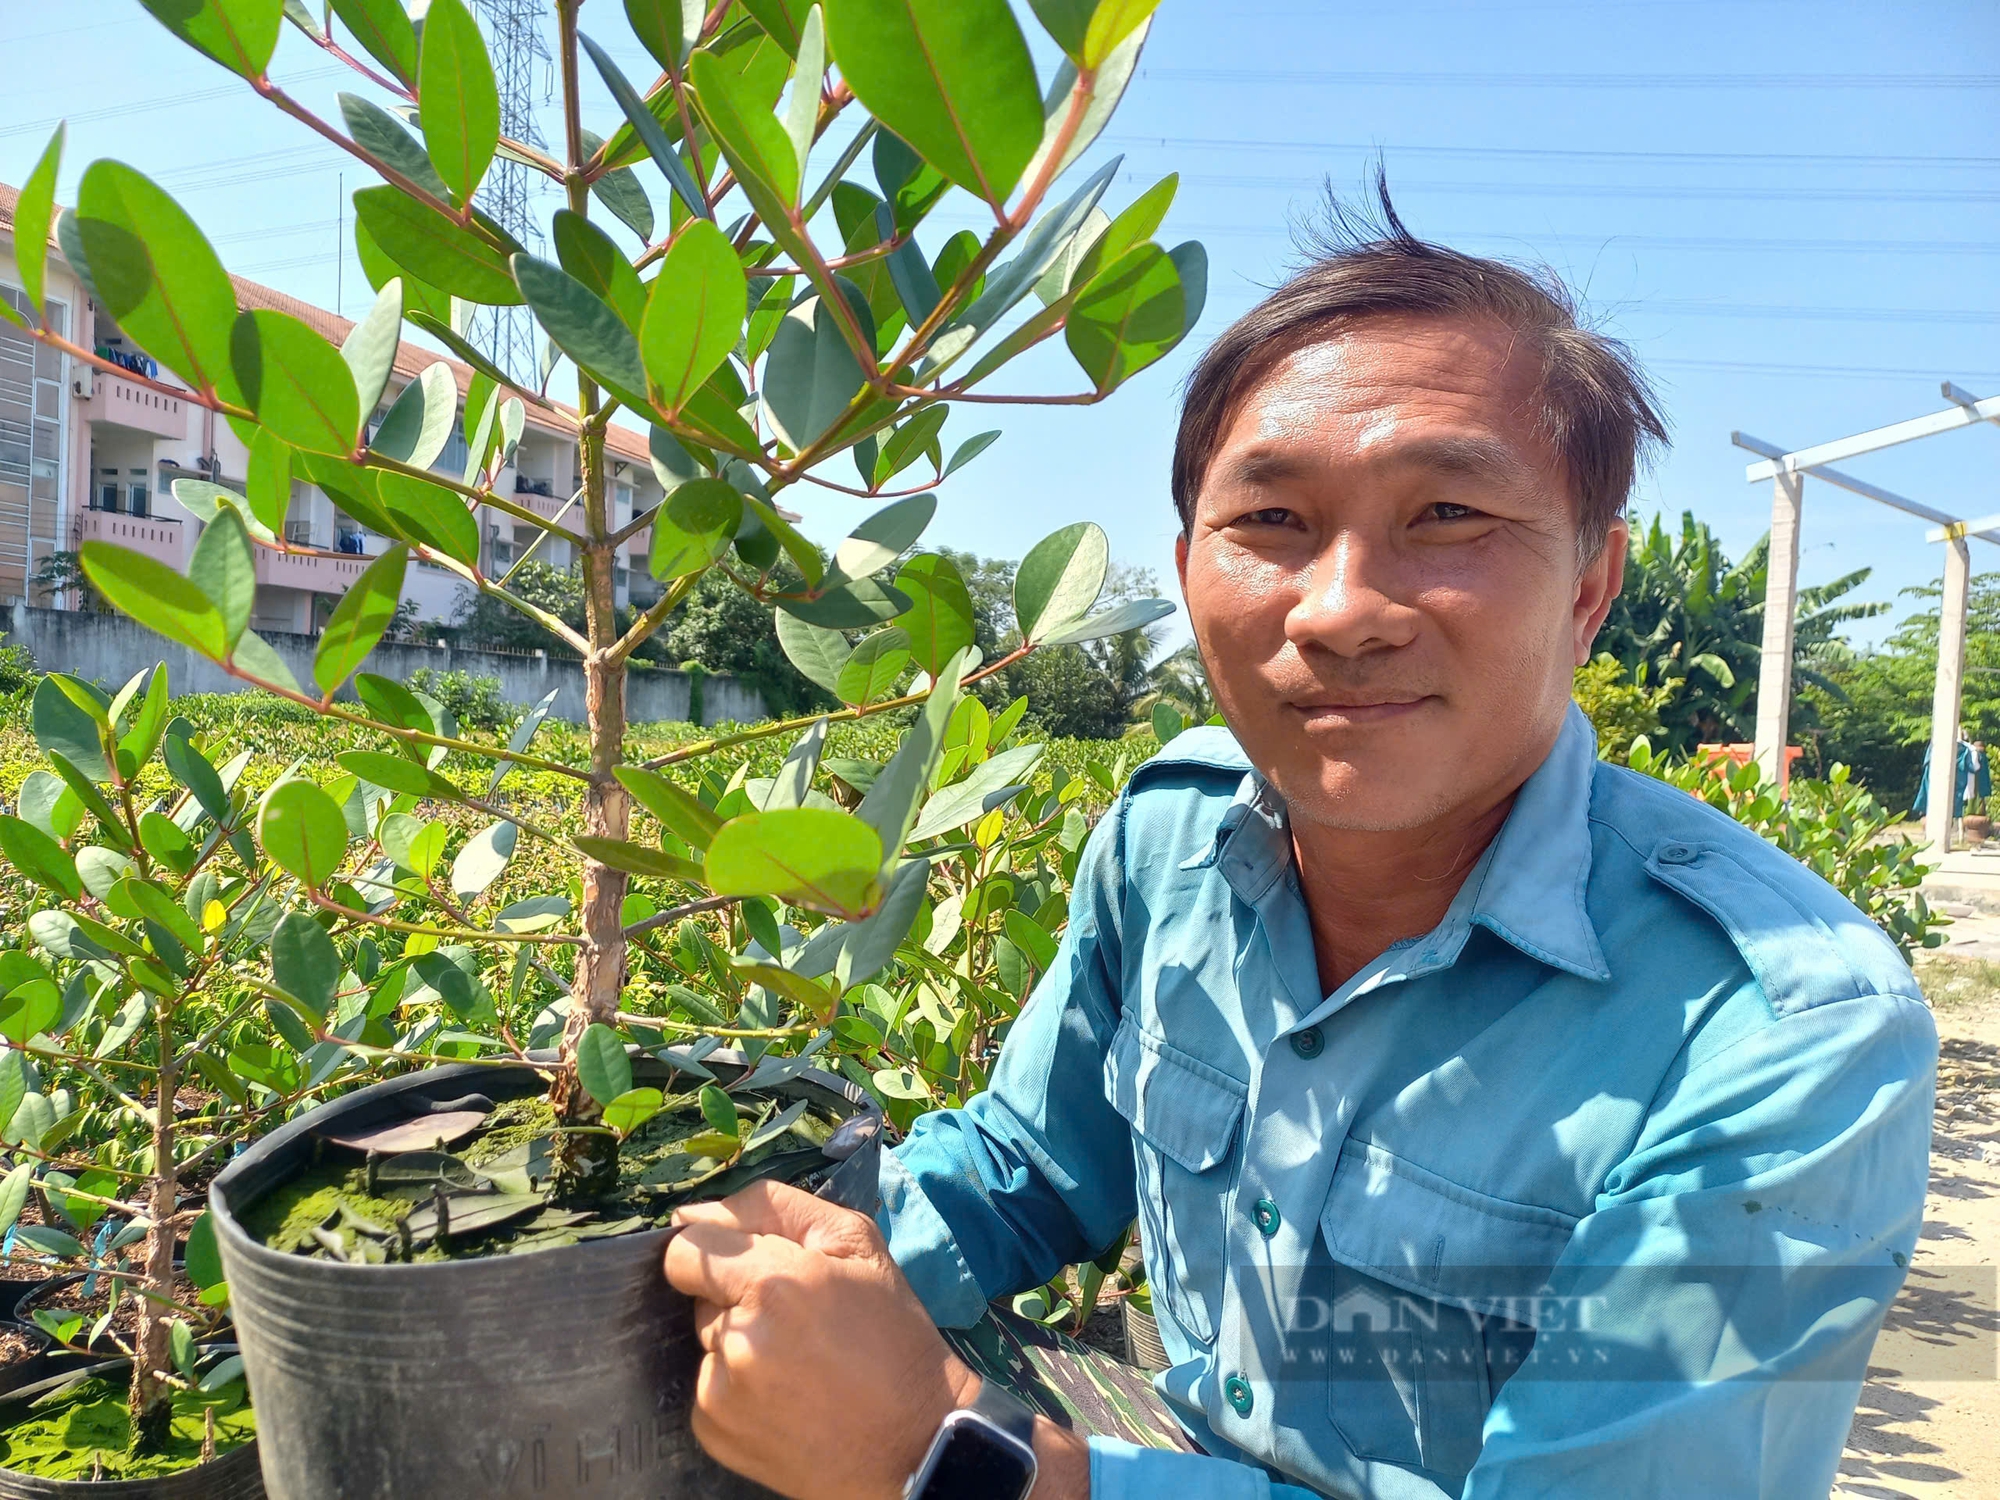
[[1781, 593], [1945, 702]]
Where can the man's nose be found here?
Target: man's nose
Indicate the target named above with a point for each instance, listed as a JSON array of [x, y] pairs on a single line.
[[1349, 604]]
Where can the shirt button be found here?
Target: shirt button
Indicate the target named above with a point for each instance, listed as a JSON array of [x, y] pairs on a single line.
[[1237, 1392], [1266, 1217], [1675, 854], [1308, 1042]]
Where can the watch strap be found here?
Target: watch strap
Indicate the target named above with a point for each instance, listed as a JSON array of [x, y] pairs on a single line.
[[1006, 1411]]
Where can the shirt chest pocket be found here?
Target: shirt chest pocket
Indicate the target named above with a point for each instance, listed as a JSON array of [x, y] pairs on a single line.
[[1184, 1116], [1431, 1305]]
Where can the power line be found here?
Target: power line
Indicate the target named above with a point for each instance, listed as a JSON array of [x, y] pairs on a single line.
[[1533, 153], [1664, 191], [158, 102], [1762, 81]]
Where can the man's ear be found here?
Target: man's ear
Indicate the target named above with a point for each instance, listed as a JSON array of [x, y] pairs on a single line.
[[1180, 561], [1596, 586]]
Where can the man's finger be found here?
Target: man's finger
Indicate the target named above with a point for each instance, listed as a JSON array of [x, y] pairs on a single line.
[[777, 1208], [709, 1325], [717, 1263]]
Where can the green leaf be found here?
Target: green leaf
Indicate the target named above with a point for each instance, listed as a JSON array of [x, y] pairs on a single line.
[[939, 621], [482, 859], [819, 654], [156, 275], [39, 857], [14, 1190], [1111, 23], [302, 830], [968, 450], [602, 1064], [29, 1010], [49, 805], [871, 671], [383, 28], [909, 442], [694, 316], [802, 109], [359, 620], [900, 1083], [64, 726], [430, 515], [1133, 226], [239, 34], [637, 859], [155, 595], [668, 29], [810, 375], [370, 348], [810, 856], [648, 130], [225, 571], [133, 897], [202, 1259], [1060, 579], [619, 191], [458, 104], [304, 962], [633, 1108], [412, 843], [436, 249], [755, 144], [680, 812], [1130, 314], [295, 381], [269, 481], [891, 803], [1039, 249], [593, 258], [951, 77], [694, 527], [1066, 21], [993, 784], [1108, 83], [884, 536], [34, 211], [718, 1110], [383, 137], [854, 605], [1133, 614], [585, 327], [395, 773]]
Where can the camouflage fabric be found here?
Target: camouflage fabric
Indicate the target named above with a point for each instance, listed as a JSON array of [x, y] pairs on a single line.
[[1070, 1383]]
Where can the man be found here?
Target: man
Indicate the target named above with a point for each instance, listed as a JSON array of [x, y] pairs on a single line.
[[1498, 1122]]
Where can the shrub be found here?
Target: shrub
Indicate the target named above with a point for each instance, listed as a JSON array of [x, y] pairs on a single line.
[[472, 701]]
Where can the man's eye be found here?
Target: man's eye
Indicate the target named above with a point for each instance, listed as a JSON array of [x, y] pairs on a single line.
[[1271, 515], [1445, 510]]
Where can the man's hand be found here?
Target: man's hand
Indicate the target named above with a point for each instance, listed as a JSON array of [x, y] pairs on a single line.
[[824, 1378]]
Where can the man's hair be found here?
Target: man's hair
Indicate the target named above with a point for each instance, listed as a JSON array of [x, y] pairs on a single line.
[[1592, 401]]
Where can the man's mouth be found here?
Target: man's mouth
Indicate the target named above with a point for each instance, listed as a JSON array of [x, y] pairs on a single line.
[[1350, 710]]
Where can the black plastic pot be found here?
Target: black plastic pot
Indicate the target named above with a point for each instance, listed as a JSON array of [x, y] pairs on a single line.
[[26, 1371], [560, 1373], [234, 1476]]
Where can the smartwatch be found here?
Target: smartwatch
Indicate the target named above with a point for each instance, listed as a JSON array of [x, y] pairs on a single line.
[[985, 1451]]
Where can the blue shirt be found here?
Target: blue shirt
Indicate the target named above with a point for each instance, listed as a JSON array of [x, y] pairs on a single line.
[[1600, 1187]]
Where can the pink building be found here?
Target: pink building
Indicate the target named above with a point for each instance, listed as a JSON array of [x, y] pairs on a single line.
[[88, 454]]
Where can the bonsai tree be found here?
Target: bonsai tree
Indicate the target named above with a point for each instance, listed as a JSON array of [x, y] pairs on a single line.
[[767, 312]]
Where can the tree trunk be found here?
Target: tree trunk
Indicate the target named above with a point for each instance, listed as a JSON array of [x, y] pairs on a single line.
[[586, 1163], [152, 1397]]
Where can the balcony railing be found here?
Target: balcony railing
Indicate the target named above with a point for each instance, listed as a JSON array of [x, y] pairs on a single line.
[[158, 537]]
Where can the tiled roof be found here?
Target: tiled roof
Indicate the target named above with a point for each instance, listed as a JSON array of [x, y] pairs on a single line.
[[411, 359]]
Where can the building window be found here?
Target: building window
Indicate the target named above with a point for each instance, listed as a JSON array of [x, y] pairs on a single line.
[[31, 439]]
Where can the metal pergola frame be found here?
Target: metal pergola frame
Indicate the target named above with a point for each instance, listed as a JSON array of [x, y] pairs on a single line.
[[1787, 472]]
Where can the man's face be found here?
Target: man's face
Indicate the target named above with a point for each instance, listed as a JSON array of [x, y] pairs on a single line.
[[1382, 574]]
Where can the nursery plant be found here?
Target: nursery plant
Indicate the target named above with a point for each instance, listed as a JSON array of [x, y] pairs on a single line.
[[142, 985], [744, 266]]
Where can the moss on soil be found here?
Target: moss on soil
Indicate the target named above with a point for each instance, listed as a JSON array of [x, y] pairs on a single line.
[[69, 1433], [285, 1218]]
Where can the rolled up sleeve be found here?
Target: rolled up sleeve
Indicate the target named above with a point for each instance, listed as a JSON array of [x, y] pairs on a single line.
[[1736, 1268]]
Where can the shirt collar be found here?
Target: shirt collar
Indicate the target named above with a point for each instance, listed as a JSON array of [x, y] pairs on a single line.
[[1528, 889]]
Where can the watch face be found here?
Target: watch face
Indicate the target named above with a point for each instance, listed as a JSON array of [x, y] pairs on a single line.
[[978, 1464]]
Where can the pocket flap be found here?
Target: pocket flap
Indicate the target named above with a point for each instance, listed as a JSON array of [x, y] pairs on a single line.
[[1173, 1102], [1395, 1221]]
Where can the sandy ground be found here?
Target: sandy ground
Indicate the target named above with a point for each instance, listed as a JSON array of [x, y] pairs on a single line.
[[1928, 1426]]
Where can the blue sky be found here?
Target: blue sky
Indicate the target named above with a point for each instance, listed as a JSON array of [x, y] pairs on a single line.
[[1790, 208]]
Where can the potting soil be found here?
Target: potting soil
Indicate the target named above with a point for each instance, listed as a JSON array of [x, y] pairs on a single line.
[[488, 1195]]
